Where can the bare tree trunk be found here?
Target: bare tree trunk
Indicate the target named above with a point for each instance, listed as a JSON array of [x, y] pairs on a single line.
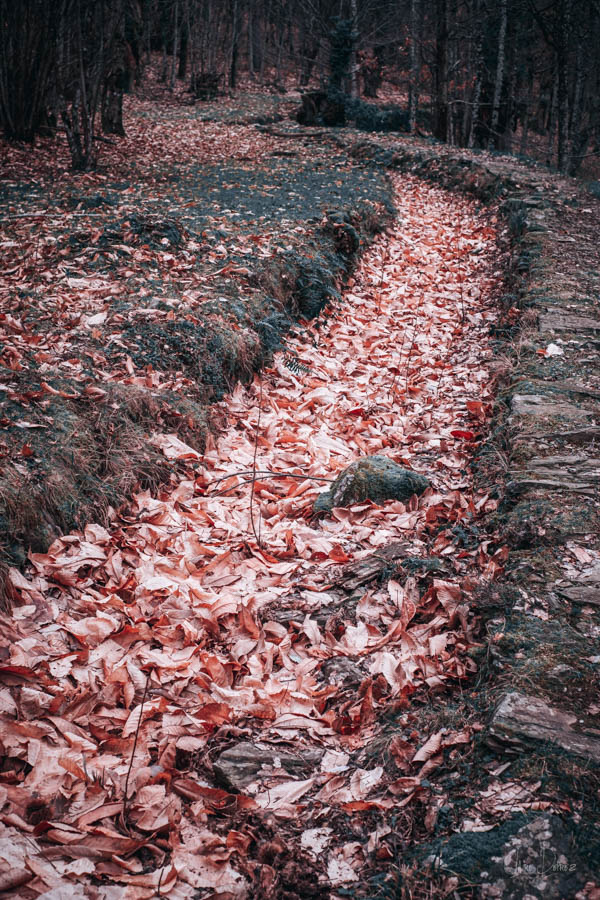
[[470, 70], [112, 105], [91, 55], [79, 120], [440, 123], [163, 66], [413, 90], [193, 54], [251, 65], [564, 26], [476, 101], [353, 56], [451, 68], [576, 106], [499, 75], [526, 112], [507, 119], [234, 44], [551, 121], [258, 39], [184, 43], [579, 137], [475, 113], [175, 42]]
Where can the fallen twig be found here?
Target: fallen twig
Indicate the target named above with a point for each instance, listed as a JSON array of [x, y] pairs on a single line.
[[135, 740], [271, 474], [257, 536]]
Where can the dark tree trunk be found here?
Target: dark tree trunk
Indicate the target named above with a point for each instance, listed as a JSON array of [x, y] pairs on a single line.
[[112, 106], [254, 40], [506, 119], [174, 45], [79, 116], [183, 53], [235, 40], [370, 71], [79, 128], [564, 31], [526, 112], [440, 72], [27, 59], [353, 62], [474, 124], [310, 52], [499, 81], [165, 62], [413, 89], [551, 122], [92, 62]]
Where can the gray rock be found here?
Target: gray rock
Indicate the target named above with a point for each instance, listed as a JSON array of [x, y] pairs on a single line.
[[541, 407], [239, 766], [587, 587], [521, 719], [578, 436], [362, 571], [374, 478], [578, 466], [341, 670], [294, 609], [559, 320]]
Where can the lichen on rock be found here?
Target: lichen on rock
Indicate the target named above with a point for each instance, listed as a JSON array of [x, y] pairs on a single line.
[[375, 478]]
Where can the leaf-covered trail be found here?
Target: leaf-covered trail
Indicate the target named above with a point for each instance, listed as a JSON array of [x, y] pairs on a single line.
[[179, 617]]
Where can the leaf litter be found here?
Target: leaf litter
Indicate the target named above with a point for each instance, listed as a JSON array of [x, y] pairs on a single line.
[[134, 296], [142, 651]]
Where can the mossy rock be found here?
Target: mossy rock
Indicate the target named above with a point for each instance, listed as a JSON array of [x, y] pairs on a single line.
[[527, 856], [374, 478]]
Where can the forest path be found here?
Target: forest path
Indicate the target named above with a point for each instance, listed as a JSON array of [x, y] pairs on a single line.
[[211, 623]]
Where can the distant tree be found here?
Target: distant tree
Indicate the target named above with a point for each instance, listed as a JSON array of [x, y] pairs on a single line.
[[28, 33], [499, 79], [485, 67], [121, 67], [415, 62], [440, 71], [91, 66], [62, 61]]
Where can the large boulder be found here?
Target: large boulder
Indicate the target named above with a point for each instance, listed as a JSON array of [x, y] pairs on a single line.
[[374, 478]]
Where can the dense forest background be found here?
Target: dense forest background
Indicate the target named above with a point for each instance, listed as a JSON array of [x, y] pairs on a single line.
[[496, 74]]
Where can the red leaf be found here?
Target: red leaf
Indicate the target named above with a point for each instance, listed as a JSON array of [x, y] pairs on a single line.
[[337, 554], [463, 435]]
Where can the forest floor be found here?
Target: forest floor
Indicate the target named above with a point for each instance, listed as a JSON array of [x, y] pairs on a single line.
[[134, 297], [208, 690]]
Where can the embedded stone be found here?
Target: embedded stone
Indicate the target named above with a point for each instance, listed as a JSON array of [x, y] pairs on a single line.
[[245, 763], [586, 589], [557, 320], [521, 720], [375, 478], [542, 407]]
